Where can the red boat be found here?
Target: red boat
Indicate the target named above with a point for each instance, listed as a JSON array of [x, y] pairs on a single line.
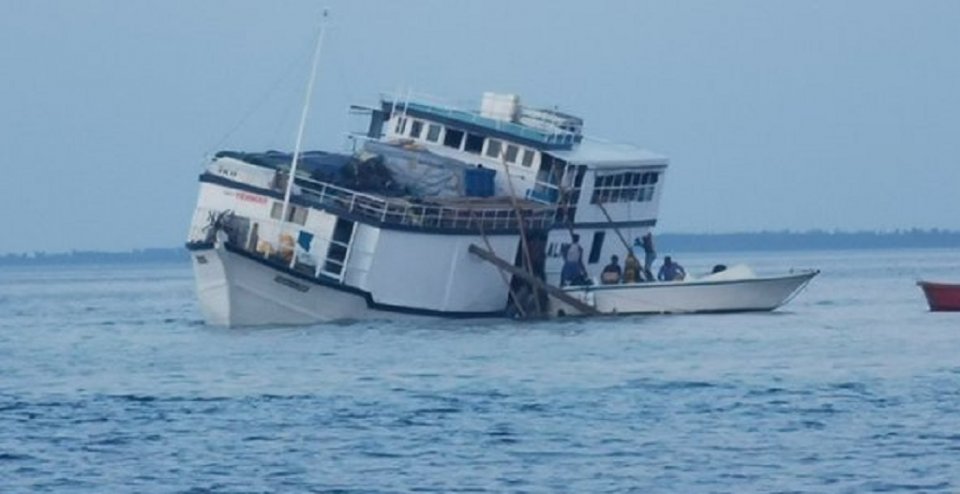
[[941, 296]]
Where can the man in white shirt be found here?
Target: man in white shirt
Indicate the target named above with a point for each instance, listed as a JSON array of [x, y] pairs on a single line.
[[573, 262]]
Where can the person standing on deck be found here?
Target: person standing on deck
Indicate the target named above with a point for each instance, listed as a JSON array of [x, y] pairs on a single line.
[[649, 254], [573, 264], [631, 269]]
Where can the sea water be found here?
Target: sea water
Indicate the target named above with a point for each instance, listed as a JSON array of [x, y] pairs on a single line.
[[110, 382]]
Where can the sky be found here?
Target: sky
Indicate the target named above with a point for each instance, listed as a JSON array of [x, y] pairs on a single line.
[[786, 115]]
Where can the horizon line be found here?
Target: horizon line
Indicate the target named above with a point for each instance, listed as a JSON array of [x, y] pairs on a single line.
[[33, 254]]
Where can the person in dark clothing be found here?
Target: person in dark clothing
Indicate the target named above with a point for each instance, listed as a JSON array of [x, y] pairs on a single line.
[[611, 273], [671, 271], [649, 254]]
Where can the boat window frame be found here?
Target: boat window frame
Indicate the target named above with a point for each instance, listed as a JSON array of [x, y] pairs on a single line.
[[528, 155], [416, 128], [511, 157], [447, 141], [470, 143], [401, 126], [625, 186], [490, 152], [434, 132], [596, 246]]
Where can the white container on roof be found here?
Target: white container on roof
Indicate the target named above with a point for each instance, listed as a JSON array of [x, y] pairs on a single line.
[[503, 107]]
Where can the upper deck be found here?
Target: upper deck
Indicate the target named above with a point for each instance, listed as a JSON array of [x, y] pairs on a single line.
[[502, 118], [456, 215]]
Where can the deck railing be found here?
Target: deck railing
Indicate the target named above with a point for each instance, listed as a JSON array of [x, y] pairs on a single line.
[[406, 213]]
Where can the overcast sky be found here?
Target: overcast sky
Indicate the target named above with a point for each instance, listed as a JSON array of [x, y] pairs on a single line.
[[775, 115]]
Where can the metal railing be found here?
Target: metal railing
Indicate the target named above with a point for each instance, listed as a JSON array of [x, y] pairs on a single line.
[[405, 213]]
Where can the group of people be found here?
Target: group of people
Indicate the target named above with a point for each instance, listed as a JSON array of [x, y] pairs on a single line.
[[632, 272]]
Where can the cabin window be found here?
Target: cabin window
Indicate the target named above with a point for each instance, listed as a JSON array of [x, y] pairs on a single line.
[[511, 154], [474, 144], [493, 148], [528, 157], [416, 127], [453, 138], [401, 126], [295, 214], [433, 133], [625, 187], [596, 246]]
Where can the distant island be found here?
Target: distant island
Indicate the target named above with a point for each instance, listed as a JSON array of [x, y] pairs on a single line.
[[666, 242], [174, 254]]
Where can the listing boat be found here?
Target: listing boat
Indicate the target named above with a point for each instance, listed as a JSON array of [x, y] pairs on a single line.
[[737, 289], [395, 228], [438, 211], [941, 296], [442, 212]]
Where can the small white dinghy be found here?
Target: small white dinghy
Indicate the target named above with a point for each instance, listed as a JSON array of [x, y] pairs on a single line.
[[736, 289]]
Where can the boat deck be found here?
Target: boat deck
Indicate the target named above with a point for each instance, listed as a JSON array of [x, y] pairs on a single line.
[[490, 214]]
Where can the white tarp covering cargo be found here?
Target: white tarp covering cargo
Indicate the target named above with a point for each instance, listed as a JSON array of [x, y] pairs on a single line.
[[423, 173]]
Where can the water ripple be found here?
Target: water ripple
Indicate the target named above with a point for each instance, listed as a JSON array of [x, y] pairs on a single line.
[[110, 383]]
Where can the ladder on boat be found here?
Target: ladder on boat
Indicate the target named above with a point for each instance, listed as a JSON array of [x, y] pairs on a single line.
[[338, 253]]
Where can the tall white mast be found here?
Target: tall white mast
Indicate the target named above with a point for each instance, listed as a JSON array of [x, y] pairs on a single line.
[[303, 119]]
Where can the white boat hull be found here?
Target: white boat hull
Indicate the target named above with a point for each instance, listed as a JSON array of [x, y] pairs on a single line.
[[235, 290], [683, 297]]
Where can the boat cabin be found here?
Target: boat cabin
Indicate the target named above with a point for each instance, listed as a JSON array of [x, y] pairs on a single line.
[[541, 155]]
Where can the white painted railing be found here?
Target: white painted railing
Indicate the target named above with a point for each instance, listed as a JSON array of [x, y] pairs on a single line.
[[423, 215]]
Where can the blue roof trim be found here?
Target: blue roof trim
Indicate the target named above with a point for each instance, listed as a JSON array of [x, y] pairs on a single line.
[[448, 118]]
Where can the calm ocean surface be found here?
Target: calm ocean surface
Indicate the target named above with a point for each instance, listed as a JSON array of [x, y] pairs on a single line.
[[109, 382]]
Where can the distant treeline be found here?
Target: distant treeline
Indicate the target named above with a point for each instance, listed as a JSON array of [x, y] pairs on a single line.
[[666, 242], [176, 254]]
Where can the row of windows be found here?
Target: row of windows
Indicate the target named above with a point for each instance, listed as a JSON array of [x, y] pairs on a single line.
[[625, 187], [627, 179], [466, 141]]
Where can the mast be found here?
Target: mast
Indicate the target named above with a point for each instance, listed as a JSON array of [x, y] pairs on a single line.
[[303, 119], [524, 243]]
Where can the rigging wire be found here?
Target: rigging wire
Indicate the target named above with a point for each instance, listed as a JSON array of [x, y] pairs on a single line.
[[285, 75], [303, 118]]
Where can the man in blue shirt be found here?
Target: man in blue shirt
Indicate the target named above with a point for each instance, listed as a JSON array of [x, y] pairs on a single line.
[[671, 271]]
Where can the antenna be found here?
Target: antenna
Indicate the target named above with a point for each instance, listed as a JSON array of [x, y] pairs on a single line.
[[303, 119]]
